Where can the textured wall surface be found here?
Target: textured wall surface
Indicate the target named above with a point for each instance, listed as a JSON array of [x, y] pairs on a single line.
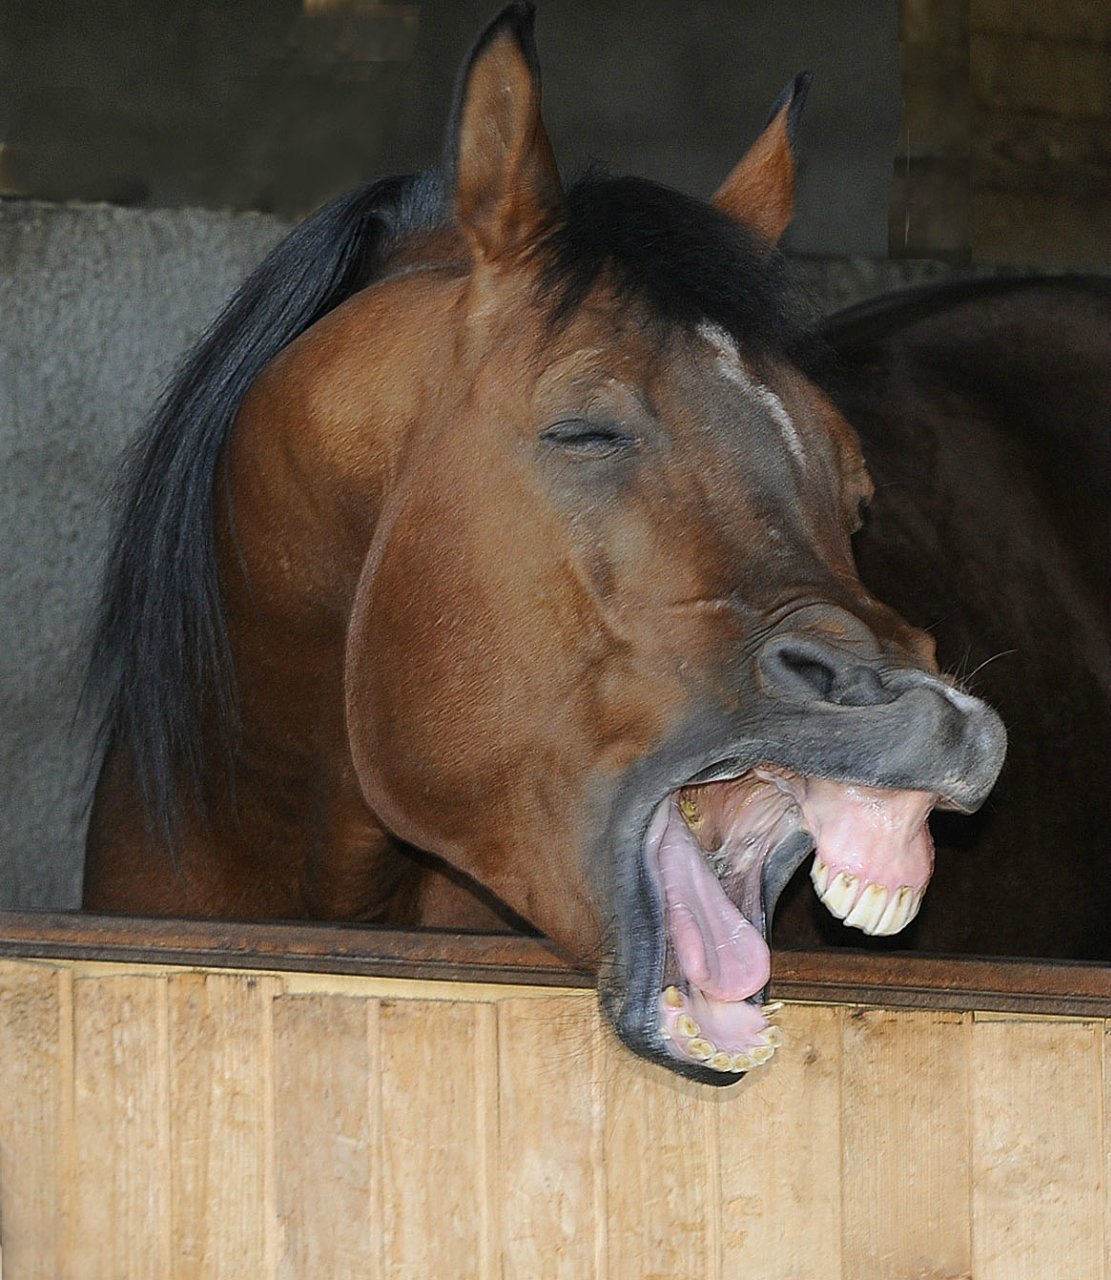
[[97, 304]]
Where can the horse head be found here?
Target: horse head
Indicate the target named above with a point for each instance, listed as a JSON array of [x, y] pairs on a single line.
[[562, 530], [609, 654]]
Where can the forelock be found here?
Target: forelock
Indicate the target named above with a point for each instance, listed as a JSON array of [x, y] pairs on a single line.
[[683, 260]]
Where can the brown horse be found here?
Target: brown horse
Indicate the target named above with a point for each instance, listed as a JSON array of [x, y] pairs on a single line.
[[491, 560]]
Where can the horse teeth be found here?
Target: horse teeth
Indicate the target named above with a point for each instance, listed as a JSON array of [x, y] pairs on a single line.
[[900, 911], [841, 894], [691, 815], [772, 1037], [700, 1049], [889, 922], [673, 998], [721, 1061], [686, 1026], [772, 1007], [742, 1062], [819, 875], [868, 908]]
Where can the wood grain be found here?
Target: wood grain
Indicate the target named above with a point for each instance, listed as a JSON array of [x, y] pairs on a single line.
[[781, 1135], [661, 1153], [437, 1138], [35, 1072], [219, 1055], [550, 1129], [905, 1171], [121, 1130], [166, 1123], [1039, 1150], [324, 1080]]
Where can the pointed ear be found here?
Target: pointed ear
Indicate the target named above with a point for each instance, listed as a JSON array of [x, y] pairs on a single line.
[[760, 191], [506, 183]]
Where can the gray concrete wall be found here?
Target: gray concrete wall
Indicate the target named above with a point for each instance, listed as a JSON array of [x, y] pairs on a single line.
[[96, 304]]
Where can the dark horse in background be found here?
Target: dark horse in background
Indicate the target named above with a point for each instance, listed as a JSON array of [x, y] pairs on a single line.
[[490, 562], [984, 410]]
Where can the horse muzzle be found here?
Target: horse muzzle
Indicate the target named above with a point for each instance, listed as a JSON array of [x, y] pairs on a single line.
[[836, 753]]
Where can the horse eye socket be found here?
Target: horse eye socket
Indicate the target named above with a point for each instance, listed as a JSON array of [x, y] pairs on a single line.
[[587, 439]]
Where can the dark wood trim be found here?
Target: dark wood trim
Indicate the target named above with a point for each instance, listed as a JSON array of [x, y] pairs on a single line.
[[892, 980]]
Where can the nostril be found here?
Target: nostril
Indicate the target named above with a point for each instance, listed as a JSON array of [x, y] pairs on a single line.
[[802, 669], [860, 687], [801, 672]]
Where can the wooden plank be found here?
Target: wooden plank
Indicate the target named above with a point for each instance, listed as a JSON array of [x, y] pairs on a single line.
[[1052, 230], [664, 1189], [219, 1049], [35, 1064], [905, 1168], [360, 949], [322, 1075], [898, 980], [933, 22], [1070, 80], [1016, 151], [1105, 1138], [120, 1222], [936, 104], [1085, 21], [1037, 1194], [550, 1125], [438, 1139], [780, 1142]]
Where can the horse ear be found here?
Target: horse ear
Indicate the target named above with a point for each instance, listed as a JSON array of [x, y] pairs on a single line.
[[506, 183], [760, 191]]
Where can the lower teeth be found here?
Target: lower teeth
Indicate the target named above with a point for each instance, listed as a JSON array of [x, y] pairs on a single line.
[[688, 1035]]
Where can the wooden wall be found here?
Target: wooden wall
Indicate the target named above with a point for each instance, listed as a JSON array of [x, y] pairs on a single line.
[[1005, 150], [160, 1121]]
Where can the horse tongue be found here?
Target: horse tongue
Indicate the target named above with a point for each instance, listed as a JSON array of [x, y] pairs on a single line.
[[719, 951]]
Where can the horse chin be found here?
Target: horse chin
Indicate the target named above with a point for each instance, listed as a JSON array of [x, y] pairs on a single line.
[[718, 854]]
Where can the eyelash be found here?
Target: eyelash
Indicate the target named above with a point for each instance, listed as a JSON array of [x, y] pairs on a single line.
[[588, 439]]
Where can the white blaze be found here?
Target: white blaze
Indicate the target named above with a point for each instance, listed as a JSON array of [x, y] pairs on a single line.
[[730, 367]]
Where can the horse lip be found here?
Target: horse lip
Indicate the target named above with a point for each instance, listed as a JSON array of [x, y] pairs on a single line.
[[631, 1002], [930, 737]]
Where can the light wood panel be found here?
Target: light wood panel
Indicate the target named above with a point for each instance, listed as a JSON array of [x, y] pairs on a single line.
[[326, 1067], [1037, 1099], [551, 1100], [192, 1124], [438, 1138], [219, 1083], [780, 1142], [905, 1151], [35, 1065], [120, 1190]]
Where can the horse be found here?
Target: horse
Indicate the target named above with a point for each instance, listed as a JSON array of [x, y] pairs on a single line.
[[489, 562], [983, 409]]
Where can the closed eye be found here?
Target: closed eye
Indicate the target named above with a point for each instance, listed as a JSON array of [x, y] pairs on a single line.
[[583, 439]]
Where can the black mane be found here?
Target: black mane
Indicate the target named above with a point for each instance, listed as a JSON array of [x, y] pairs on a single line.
[[159, 648], [687, 261], [160, 663]]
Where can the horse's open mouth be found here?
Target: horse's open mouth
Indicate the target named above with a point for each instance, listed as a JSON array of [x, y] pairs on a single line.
[[719, 854]]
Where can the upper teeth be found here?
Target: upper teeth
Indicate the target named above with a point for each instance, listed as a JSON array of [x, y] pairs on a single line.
[[872, 907]]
